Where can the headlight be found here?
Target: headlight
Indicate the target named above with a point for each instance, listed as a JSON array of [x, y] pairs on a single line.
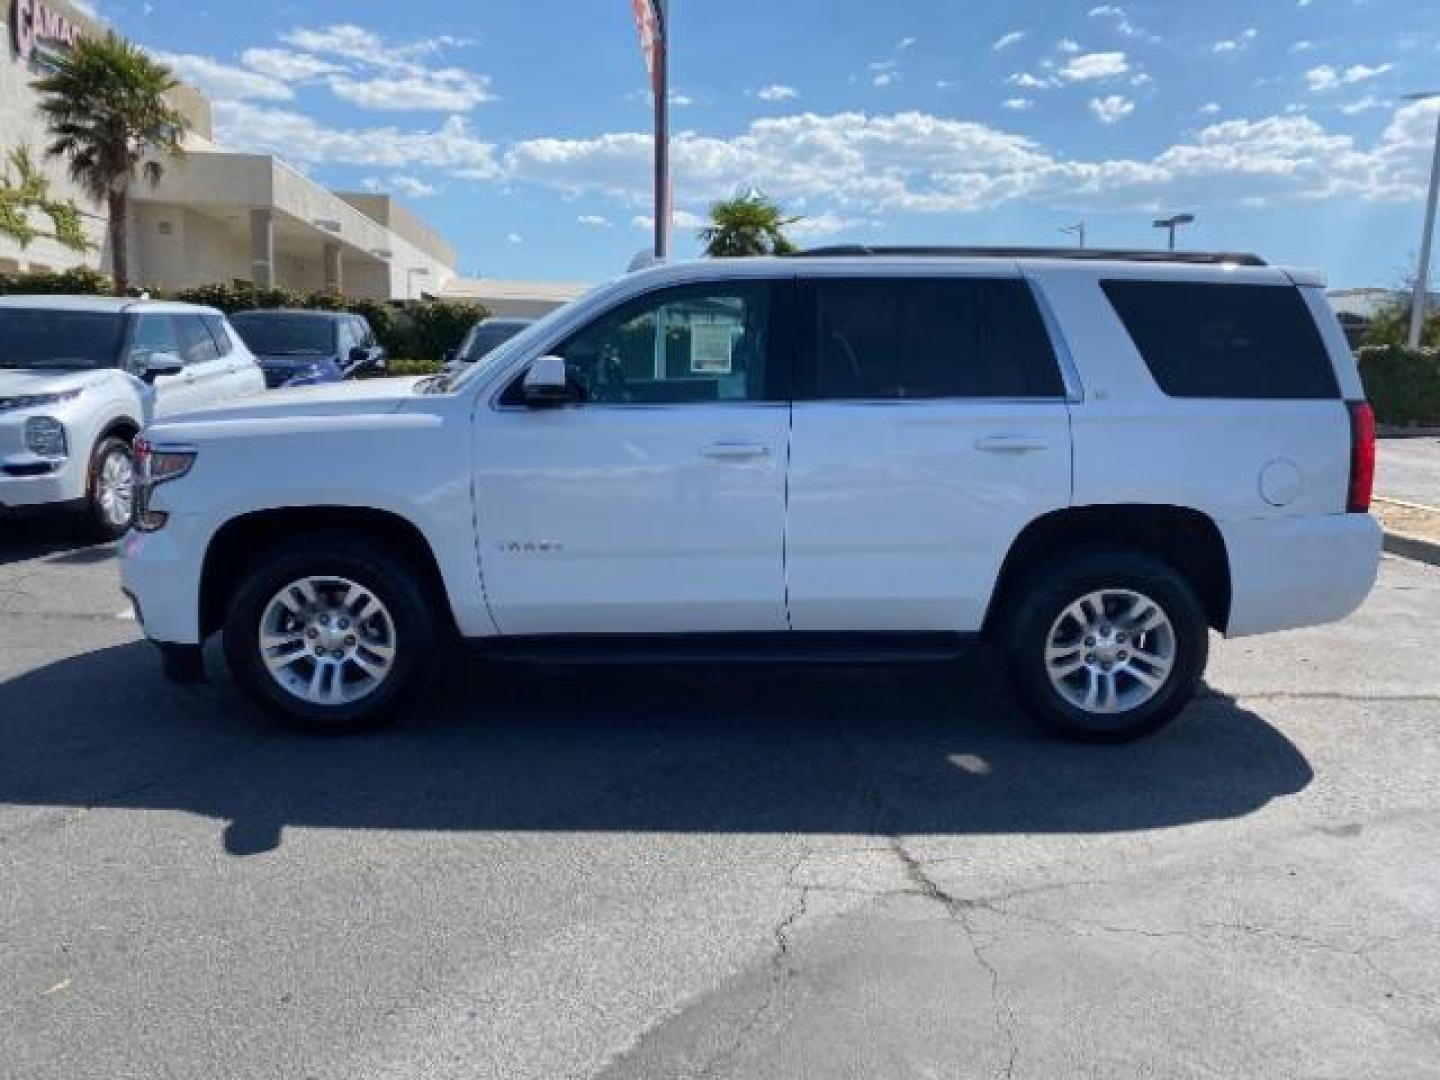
[[156, 465], [35, 401], [45, 436]]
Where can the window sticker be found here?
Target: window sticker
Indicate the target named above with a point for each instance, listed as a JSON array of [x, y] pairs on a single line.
[[710, 348]]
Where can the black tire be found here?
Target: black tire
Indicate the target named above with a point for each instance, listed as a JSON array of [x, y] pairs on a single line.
[[98, 524], [397, 584], [1027, 625]]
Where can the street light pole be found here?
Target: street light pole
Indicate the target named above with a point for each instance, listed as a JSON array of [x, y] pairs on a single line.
[[1422, 272], [1077, 230], [1171, 222]]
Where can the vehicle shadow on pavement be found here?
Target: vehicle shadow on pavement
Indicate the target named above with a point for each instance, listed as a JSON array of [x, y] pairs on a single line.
[[865, 750], [23, 538]]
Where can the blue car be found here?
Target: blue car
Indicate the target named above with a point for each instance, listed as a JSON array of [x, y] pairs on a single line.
[[302, 348]]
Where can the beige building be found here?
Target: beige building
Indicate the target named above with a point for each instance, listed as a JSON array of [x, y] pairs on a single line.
[[217, 216]]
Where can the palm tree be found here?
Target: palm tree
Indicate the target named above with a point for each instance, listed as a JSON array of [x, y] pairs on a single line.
[[748, 224], [106, 106]]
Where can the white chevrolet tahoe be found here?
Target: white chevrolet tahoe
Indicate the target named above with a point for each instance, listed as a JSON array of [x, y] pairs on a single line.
[[80, 375], [859, 454]]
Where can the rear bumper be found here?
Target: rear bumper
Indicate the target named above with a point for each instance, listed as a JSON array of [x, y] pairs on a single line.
[[1292, 572]]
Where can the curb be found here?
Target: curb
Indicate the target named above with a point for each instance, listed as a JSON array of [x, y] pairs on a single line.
[[1406, 545], [1413, 548]]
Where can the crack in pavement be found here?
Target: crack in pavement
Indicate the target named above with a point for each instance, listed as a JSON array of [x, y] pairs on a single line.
[[780, 970]]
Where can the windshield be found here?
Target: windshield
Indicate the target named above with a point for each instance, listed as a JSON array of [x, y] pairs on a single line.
[[274, 334], [484, 336], [36, 338]]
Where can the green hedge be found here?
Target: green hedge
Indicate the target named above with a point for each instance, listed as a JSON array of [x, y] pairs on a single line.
[[1403, 384], [79, 281]]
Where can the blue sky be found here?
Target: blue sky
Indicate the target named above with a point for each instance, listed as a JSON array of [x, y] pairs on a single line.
[[521, 129]]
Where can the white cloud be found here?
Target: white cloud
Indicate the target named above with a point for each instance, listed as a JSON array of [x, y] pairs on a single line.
[[514, 238], [1326, 77], [1364, 104], [1301, 46], [1098, 65], [1026, 81], [222, 80], [1111, 109], [446, 90], [679, 219], [777, 92], [1210, 108], [1236, 44], [1103, 11], [594, 221], [288, 65], [410, 186], [241, 126], [1017, 104], [885, 78], [1068, 45], [1004, 41]]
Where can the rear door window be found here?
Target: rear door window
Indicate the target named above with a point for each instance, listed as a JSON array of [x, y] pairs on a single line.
[[196, 343], [1204, 340], [917, 338]]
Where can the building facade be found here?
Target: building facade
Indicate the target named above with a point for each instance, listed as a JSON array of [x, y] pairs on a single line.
[[217, 217]]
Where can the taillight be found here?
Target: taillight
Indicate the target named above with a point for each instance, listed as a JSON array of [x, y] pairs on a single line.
[[1362, 457]]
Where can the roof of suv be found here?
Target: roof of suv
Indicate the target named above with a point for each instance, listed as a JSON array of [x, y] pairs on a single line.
[[301, 311], [111, 305], [1141, 255]]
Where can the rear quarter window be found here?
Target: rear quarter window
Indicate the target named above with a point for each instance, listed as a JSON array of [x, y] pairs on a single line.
[[1203, 340]]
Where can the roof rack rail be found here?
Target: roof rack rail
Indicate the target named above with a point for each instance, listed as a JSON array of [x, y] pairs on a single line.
[[1203, 258]]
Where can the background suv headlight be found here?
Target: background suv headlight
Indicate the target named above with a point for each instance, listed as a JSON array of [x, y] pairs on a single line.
[[45, 436]]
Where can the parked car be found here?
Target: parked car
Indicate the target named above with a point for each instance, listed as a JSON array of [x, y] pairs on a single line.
[[300, 347], [485, 335], [1089, 462], [80, 375]]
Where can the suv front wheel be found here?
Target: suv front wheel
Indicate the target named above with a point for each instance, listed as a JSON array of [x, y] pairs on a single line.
[[332, 633], [1108, 644]]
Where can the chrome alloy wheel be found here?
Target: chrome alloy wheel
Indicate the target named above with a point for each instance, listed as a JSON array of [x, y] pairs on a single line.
[[327, 640], [1110, 651], [115, 488]]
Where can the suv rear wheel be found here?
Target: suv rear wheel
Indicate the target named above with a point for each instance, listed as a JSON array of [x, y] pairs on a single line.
[[1109, 644], [333, 634]]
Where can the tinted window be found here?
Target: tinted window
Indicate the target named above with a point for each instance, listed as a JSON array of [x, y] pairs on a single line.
[[1225, 341], [688, 344], [196, 344], [907, 338], [216, 325], [33, 338], [269, 333], [153, 334], [484, 336]]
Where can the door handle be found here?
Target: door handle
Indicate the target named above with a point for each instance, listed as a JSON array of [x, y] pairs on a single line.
[[734, 451], [1011, 444]]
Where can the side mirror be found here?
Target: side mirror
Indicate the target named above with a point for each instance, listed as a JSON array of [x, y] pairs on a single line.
[[545, 383], [157, 364]]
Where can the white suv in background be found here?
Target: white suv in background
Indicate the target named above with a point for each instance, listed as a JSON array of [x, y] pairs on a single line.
[[1091, 461], [81, 375]]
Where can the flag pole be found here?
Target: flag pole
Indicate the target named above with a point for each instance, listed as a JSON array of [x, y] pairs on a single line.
[[662, 130]]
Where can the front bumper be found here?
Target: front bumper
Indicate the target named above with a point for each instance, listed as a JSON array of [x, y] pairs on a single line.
[[61, 483], [1291, 572], [160, 573]]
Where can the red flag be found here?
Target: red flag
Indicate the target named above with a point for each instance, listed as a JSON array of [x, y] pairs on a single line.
[[652, 33]]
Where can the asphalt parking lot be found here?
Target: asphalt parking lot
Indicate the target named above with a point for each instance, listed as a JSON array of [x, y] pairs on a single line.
[[1409, 469], [866, 872]]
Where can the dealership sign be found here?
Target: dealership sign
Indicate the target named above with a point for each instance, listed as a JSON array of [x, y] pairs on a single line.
[[34, 23]]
